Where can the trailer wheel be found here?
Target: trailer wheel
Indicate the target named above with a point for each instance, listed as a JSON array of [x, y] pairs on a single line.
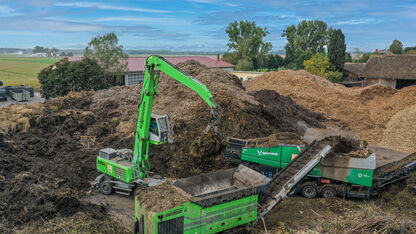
[[106, 187], [328, 192], [309, 191], [293, 192]]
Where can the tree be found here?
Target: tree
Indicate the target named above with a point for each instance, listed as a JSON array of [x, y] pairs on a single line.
[[228, 57], [244, 64], [320, 65], [407, 49], [336, 49], [62, 54], [334, 76], [317, 65], [109, 54], [411, 52], [308, 38], [38, 49], [66, 76], [246, 39], [301, 56], [363, 59], [396, 47], [348, 57], [274, 62], [54, 50]]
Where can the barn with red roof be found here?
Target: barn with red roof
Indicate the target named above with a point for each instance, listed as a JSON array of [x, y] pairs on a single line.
[[136, 64]]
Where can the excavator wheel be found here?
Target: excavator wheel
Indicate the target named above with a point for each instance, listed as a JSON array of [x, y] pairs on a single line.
[[309, 191], [328, 191], [106, 187]]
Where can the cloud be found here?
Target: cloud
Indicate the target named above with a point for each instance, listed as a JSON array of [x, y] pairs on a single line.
[[154, 20], [215, 2], [49, 25], [358, 21], [6, 11], [106, 7]]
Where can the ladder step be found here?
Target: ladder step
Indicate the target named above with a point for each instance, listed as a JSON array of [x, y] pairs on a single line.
[[121, 192], [123, 188]]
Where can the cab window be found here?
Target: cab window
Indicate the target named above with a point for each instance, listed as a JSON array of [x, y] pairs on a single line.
[[153, 127]]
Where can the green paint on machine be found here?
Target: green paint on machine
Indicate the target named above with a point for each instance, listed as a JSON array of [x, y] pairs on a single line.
[[280, 156], [191, 218], [115, 169]]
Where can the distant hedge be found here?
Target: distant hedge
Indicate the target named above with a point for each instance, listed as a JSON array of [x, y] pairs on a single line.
[[65, 76]]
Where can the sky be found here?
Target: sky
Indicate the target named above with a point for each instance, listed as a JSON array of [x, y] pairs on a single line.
[[198, 25]]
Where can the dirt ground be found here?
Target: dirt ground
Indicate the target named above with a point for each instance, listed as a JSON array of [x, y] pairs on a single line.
[[48, 150]]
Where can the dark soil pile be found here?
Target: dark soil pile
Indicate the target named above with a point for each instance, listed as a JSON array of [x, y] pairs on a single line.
[[46, 170], [286, 113], [349, 147]]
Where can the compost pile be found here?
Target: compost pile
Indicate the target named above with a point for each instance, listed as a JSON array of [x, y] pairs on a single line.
[[401, 131], [47, 165], [16, 117], [366, 110], [160, 198], [274, 140]]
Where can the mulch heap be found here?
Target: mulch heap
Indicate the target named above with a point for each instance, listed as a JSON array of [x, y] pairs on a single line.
[[48, 163], [366, 110]]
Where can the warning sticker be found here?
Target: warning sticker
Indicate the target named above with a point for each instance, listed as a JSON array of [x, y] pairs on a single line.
[[110, 168]]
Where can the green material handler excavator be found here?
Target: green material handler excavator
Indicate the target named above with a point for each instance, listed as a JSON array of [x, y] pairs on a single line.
[[124, 170]]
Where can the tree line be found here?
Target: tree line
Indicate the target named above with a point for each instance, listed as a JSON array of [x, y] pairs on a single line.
[[308, 43], [396, 48], [51, 51]]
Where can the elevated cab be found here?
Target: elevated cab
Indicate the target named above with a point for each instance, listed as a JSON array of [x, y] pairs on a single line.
[[160, 129]]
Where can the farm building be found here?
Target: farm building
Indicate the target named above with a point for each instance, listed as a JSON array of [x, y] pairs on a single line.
[[353, 71], [135, 66], [246, 75], [396, 71]]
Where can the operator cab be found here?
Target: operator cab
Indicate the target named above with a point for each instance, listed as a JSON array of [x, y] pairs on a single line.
[[160, 129], [3, 93]]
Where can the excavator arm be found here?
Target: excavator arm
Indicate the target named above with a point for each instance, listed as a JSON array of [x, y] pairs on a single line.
[[142, 137]]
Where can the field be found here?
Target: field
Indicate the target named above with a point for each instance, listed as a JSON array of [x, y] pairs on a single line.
[[22, 70]]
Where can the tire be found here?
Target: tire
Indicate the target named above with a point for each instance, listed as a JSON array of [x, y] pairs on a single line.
[[328, 192], [293, 192], [106, 187], [136, 227], [309, 191]]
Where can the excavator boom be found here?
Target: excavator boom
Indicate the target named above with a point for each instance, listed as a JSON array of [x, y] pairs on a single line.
[[122, 169], [141, 145]]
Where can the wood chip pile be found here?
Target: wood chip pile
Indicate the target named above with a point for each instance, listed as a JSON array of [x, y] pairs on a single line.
[[366, 110]]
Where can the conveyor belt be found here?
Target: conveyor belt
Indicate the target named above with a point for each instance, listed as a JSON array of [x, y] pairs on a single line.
[[295, 171], [394, 171]]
